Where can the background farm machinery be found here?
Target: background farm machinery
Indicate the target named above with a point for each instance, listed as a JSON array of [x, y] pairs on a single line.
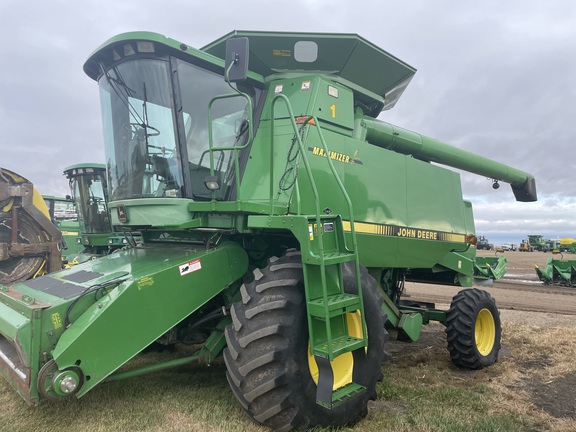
[[558, 271], [89, 193], [30, 244]]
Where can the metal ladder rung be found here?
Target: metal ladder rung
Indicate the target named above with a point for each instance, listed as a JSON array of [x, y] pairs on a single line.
[[344, 394], [340, 345], [338, 304]]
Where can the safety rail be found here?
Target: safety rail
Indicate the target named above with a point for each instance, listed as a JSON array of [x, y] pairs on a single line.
[[285, 99], [236, 149]]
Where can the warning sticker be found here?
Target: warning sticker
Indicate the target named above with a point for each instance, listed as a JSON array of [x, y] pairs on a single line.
[[145, 281], [190, 267], [278, 89], [282, 53], [305, 86], [56, 320]]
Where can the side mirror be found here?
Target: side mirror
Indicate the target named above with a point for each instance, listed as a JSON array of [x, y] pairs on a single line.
[[236, 60]]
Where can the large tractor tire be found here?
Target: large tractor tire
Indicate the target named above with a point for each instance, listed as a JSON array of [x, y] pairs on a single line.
[[473, 329], [269, 365]]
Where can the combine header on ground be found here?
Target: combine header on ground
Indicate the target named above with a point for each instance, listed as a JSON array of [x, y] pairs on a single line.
[[490, 268], [279, 221], [558, 271]]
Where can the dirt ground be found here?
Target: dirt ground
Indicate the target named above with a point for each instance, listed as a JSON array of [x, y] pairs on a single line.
[[522, 299]]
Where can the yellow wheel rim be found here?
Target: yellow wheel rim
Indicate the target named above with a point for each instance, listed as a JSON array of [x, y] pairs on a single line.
[[485, 332], [343, 365]]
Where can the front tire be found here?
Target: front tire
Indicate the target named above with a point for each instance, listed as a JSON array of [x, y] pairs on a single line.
[[473, 329], [267, 358]]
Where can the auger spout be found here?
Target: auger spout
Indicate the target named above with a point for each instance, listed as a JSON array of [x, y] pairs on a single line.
[[428, 149]]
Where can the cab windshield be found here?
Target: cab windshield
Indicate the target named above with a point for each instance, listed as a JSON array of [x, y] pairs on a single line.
[[157, 129], [89, 192]]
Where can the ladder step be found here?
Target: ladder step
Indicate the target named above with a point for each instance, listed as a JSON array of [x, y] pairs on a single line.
[[340, 345], [331, 258], [337, 305], [344, 394]]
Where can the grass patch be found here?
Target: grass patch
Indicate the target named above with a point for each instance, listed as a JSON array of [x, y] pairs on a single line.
[[531, 388]]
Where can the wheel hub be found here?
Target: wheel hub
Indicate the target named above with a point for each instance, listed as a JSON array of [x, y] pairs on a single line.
[[485, 332]]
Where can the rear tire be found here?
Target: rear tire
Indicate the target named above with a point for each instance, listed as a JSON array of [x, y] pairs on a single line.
[[473, 329], [267, 353]]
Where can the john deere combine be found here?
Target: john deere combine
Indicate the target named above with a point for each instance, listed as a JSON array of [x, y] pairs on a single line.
[[64, 215], [279, 219], [96, 236]]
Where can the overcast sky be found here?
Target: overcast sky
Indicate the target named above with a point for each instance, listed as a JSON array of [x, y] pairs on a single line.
[[495, 78]]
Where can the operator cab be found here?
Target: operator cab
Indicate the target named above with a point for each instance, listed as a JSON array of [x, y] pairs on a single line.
[[88, 187], [159, 115]]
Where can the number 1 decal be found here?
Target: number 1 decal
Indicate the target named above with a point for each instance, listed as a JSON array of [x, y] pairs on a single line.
[[333, 109]]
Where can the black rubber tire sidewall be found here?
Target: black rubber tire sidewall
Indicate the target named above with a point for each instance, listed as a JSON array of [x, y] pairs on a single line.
[[292, 394], [460, 329]]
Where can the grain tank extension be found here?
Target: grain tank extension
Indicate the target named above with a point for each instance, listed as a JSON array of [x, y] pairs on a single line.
[[279, 221]]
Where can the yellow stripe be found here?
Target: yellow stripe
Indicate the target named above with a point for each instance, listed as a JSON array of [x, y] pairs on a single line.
[[388, 230]]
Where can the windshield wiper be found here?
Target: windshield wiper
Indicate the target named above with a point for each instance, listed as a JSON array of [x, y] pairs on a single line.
[[145, 124], [243, 129], [124, 92]]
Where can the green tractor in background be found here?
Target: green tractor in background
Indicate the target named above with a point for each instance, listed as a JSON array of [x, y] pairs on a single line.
[[279, 222]]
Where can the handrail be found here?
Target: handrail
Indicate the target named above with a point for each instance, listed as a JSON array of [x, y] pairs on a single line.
[[350, 210], [338, 181], [317, 199], [236, 149], [316, 204], [302, 151]]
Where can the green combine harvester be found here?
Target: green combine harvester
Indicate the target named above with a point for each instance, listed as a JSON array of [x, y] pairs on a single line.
[[89, 192], [63, 214], [537, 242], [279, 219]]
